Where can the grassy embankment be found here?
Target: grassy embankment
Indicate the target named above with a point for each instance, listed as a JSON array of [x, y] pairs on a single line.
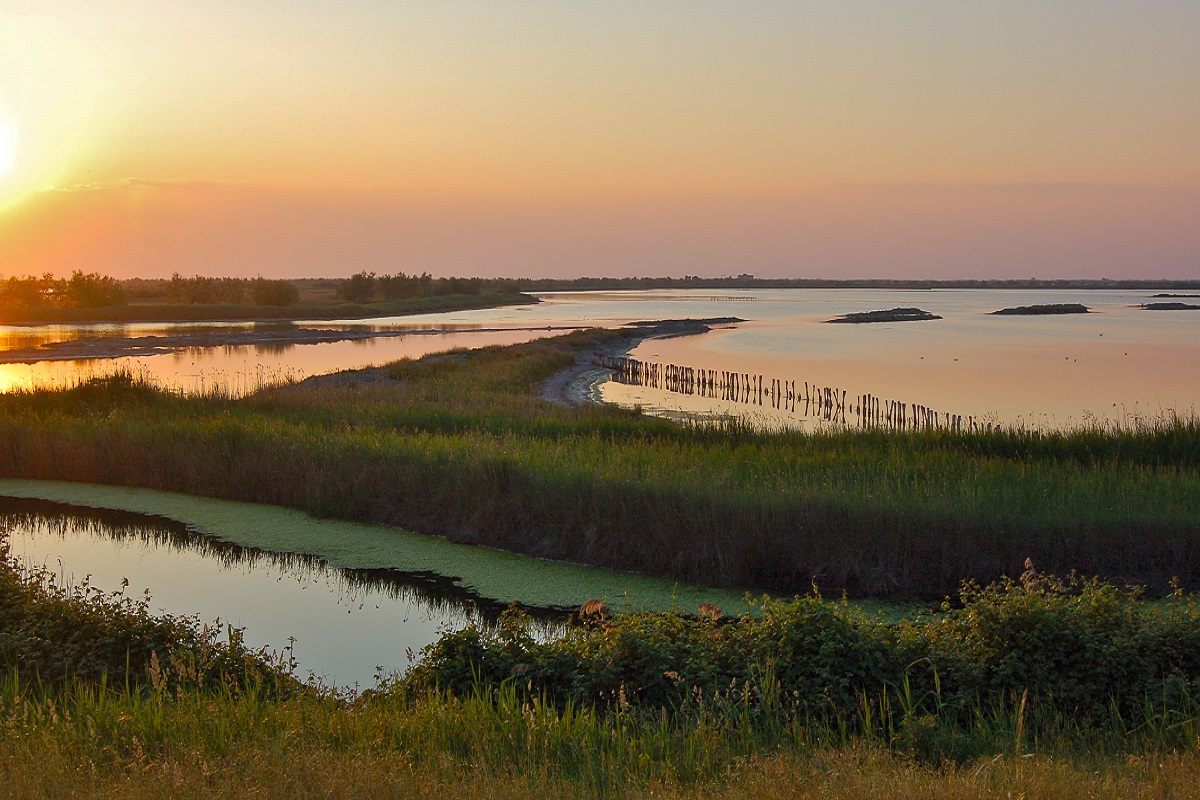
[[330, 309], [460, 446], [1065, 692]]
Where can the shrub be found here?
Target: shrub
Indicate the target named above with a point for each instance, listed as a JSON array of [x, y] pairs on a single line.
[[1077, 649], [274, 292]]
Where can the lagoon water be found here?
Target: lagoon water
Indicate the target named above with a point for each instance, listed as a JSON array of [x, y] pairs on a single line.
[[343, 624], [1117, 364]]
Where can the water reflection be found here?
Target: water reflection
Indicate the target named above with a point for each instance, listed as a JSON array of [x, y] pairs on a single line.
[[346, 624], [826, 405], [1117, 363], [241, 367]]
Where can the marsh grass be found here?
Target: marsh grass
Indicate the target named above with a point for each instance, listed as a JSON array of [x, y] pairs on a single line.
[[460, 446], [89, 740]]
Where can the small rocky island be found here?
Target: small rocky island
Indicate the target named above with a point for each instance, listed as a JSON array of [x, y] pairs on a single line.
[[890, 315], [1049, 308], [1171, 307]]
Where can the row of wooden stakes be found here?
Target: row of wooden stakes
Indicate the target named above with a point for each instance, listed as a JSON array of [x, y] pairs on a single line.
[[824, 403]]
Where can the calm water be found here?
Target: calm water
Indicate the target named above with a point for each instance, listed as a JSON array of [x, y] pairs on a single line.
[[1117, 363], [343, 624], [234, 369]]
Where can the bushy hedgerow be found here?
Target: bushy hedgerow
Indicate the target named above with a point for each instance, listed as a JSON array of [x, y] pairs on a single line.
[[1080, 649], [1083, 648], [820, 654]]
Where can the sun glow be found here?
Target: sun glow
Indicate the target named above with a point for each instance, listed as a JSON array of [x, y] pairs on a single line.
[[7, 150], [8, 147]]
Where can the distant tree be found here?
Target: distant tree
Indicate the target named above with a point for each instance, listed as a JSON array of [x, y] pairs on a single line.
[[452, 285], [199, 290], [398, 286], [274, 292], [92, 290], [505, 286], [146, 290], [232, 291], [358, 288], [27, 292]]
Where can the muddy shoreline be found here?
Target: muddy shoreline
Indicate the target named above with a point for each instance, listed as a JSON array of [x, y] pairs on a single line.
[[580, 384]]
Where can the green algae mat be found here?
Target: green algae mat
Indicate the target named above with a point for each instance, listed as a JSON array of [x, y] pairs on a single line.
[[493, 574]]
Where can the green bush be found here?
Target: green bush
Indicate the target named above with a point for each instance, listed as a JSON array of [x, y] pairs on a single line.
[[1080, 647], [1082, 650]]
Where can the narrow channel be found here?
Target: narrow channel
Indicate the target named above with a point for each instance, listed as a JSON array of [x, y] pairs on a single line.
[[343, 626]]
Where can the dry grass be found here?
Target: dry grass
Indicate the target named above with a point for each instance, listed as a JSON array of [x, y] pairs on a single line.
[[35, 767]]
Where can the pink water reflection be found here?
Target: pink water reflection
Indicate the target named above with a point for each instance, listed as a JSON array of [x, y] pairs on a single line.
[[1115, 363], [242, 369]]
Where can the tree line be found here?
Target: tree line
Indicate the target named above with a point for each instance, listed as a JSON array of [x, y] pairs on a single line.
[[93, 290], [81, 290], [363, 287], [199, 290]]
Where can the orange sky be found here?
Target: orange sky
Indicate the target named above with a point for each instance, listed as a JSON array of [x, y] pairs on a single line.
[[940, 139]]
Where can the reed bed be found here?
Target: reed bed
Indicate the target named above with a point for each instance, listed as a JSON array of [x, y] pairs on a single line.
[[460, 446]]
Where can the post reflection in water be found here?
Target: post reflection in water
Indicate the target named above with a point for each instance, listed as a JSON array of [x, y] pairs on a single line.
[[802, 399], [347, 625]]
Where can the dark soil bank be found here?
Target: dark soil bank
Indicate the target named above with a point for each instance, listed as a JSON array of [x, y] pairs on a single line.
[[1171, 306], [890, 315], [1050, 308]]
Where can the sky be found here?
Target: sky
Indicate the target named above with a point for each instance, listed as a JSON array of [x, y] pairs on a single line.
[[923, 139]]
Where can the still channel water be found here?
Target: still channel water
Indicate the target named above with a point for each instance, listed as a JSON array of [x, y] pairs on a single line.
[[345, 626]]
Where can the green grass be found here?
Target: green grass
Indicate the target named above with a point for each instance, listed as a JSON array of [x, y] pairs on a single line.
[[89, 743], [462, 447]]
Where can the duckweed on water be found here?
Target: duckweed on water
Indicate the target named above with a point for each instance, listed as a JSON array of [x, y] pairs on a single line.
[[493, 574]]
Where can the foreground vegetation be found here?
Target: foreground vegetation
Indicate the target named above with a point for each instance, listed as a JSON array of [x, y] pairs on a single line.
[[460, 445], [1018, 693], [84, 744]]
